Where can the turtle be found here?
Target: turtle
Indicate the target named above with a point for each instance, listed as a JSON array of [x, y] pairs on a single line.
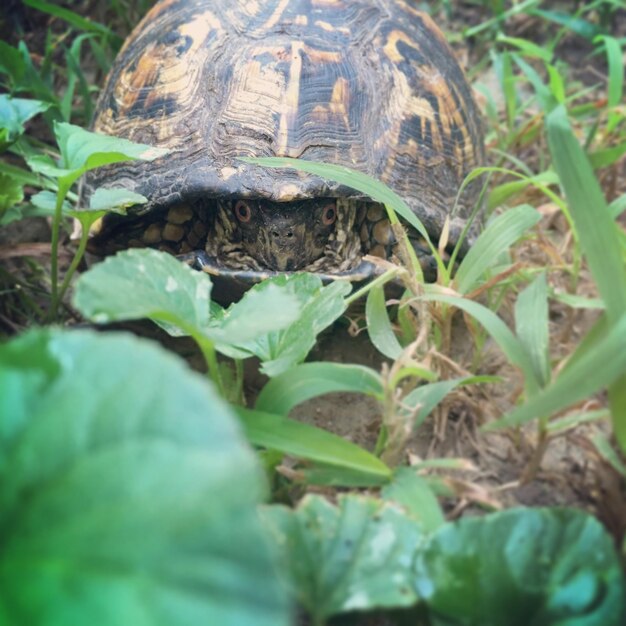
[[369, 84]]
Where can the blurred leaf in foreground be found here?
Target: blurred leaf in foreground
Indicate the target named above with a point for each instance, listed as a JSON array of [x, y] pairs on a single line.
[[127, 495]]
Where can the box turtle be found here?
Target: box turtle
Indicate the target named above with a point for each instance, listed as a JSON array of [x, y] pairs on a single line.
[[370, 84]]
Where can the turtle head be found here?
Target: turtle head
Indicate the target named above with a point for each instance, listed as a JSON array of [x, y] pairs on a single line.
[[285, 236]]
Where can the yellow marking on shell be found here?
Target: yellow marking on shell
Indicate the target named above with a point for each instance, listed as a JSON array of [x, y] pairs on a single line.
[[227, 172], [325, 26], [289, 105], [301, 20], [252, 7], [163, 73], [199, 28], [340, 100], [391, 47], [435, 31], [274, 17], [288, 192]]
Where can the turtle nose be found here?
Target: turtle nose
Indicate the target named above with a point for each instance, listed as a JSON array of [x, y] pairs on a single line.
[[283, 235]]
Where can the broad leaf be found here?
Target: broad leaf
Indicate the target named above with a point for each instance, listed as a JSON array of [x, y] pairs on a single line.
[[14, 113], [280, 350], [265, 308], [127, 495], [350, 557], [117, 199], [522, 567], [137, 284], [84, 150], [11, 193], [413, 493]]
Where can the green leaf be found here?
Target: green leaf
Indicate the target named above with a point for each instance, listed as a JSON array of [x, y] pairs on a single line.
[[527, 47], [46, 201], [378, 324], [608, 453], [412, 493], [546, 97], [426, 397], [83, 150], [616, 68], [21, 175], [575, 24], [127, 495], [352, 557], [11, 63], [521, 567], [303, 441], [43, 164], [618, 206], [137, 284], [594, 370], [607, 156], [497, 238], [74, 19], [531, 326], [501, 193], [117, 199], [267, 307], [14, 113], [11, 193], [309, 380], [280, 350]]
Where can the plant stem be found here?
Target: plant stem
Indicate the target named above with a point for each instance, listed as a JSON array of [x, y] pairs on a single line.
[[380, 280], [54, 261], [78, 255], [210, 357]]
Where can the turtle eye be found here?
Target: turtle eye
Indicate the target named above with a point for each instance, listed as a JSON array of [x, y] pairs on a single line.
[[329, 215], [243, 211]]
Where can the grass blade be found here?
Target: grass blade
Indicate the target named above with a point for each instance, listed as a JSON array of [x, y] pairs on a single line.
[[598, 368], [496, 239], [531, 326], [303, 441], [599, 237], [499, 331]]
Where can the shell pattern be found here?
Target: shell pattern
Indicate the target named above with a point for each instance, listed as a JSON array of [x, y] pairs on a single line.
[[369, 84]]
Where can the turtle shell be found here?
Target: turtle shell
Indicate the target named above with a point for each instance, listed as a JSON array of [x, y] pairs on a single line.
[[370, 84]]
